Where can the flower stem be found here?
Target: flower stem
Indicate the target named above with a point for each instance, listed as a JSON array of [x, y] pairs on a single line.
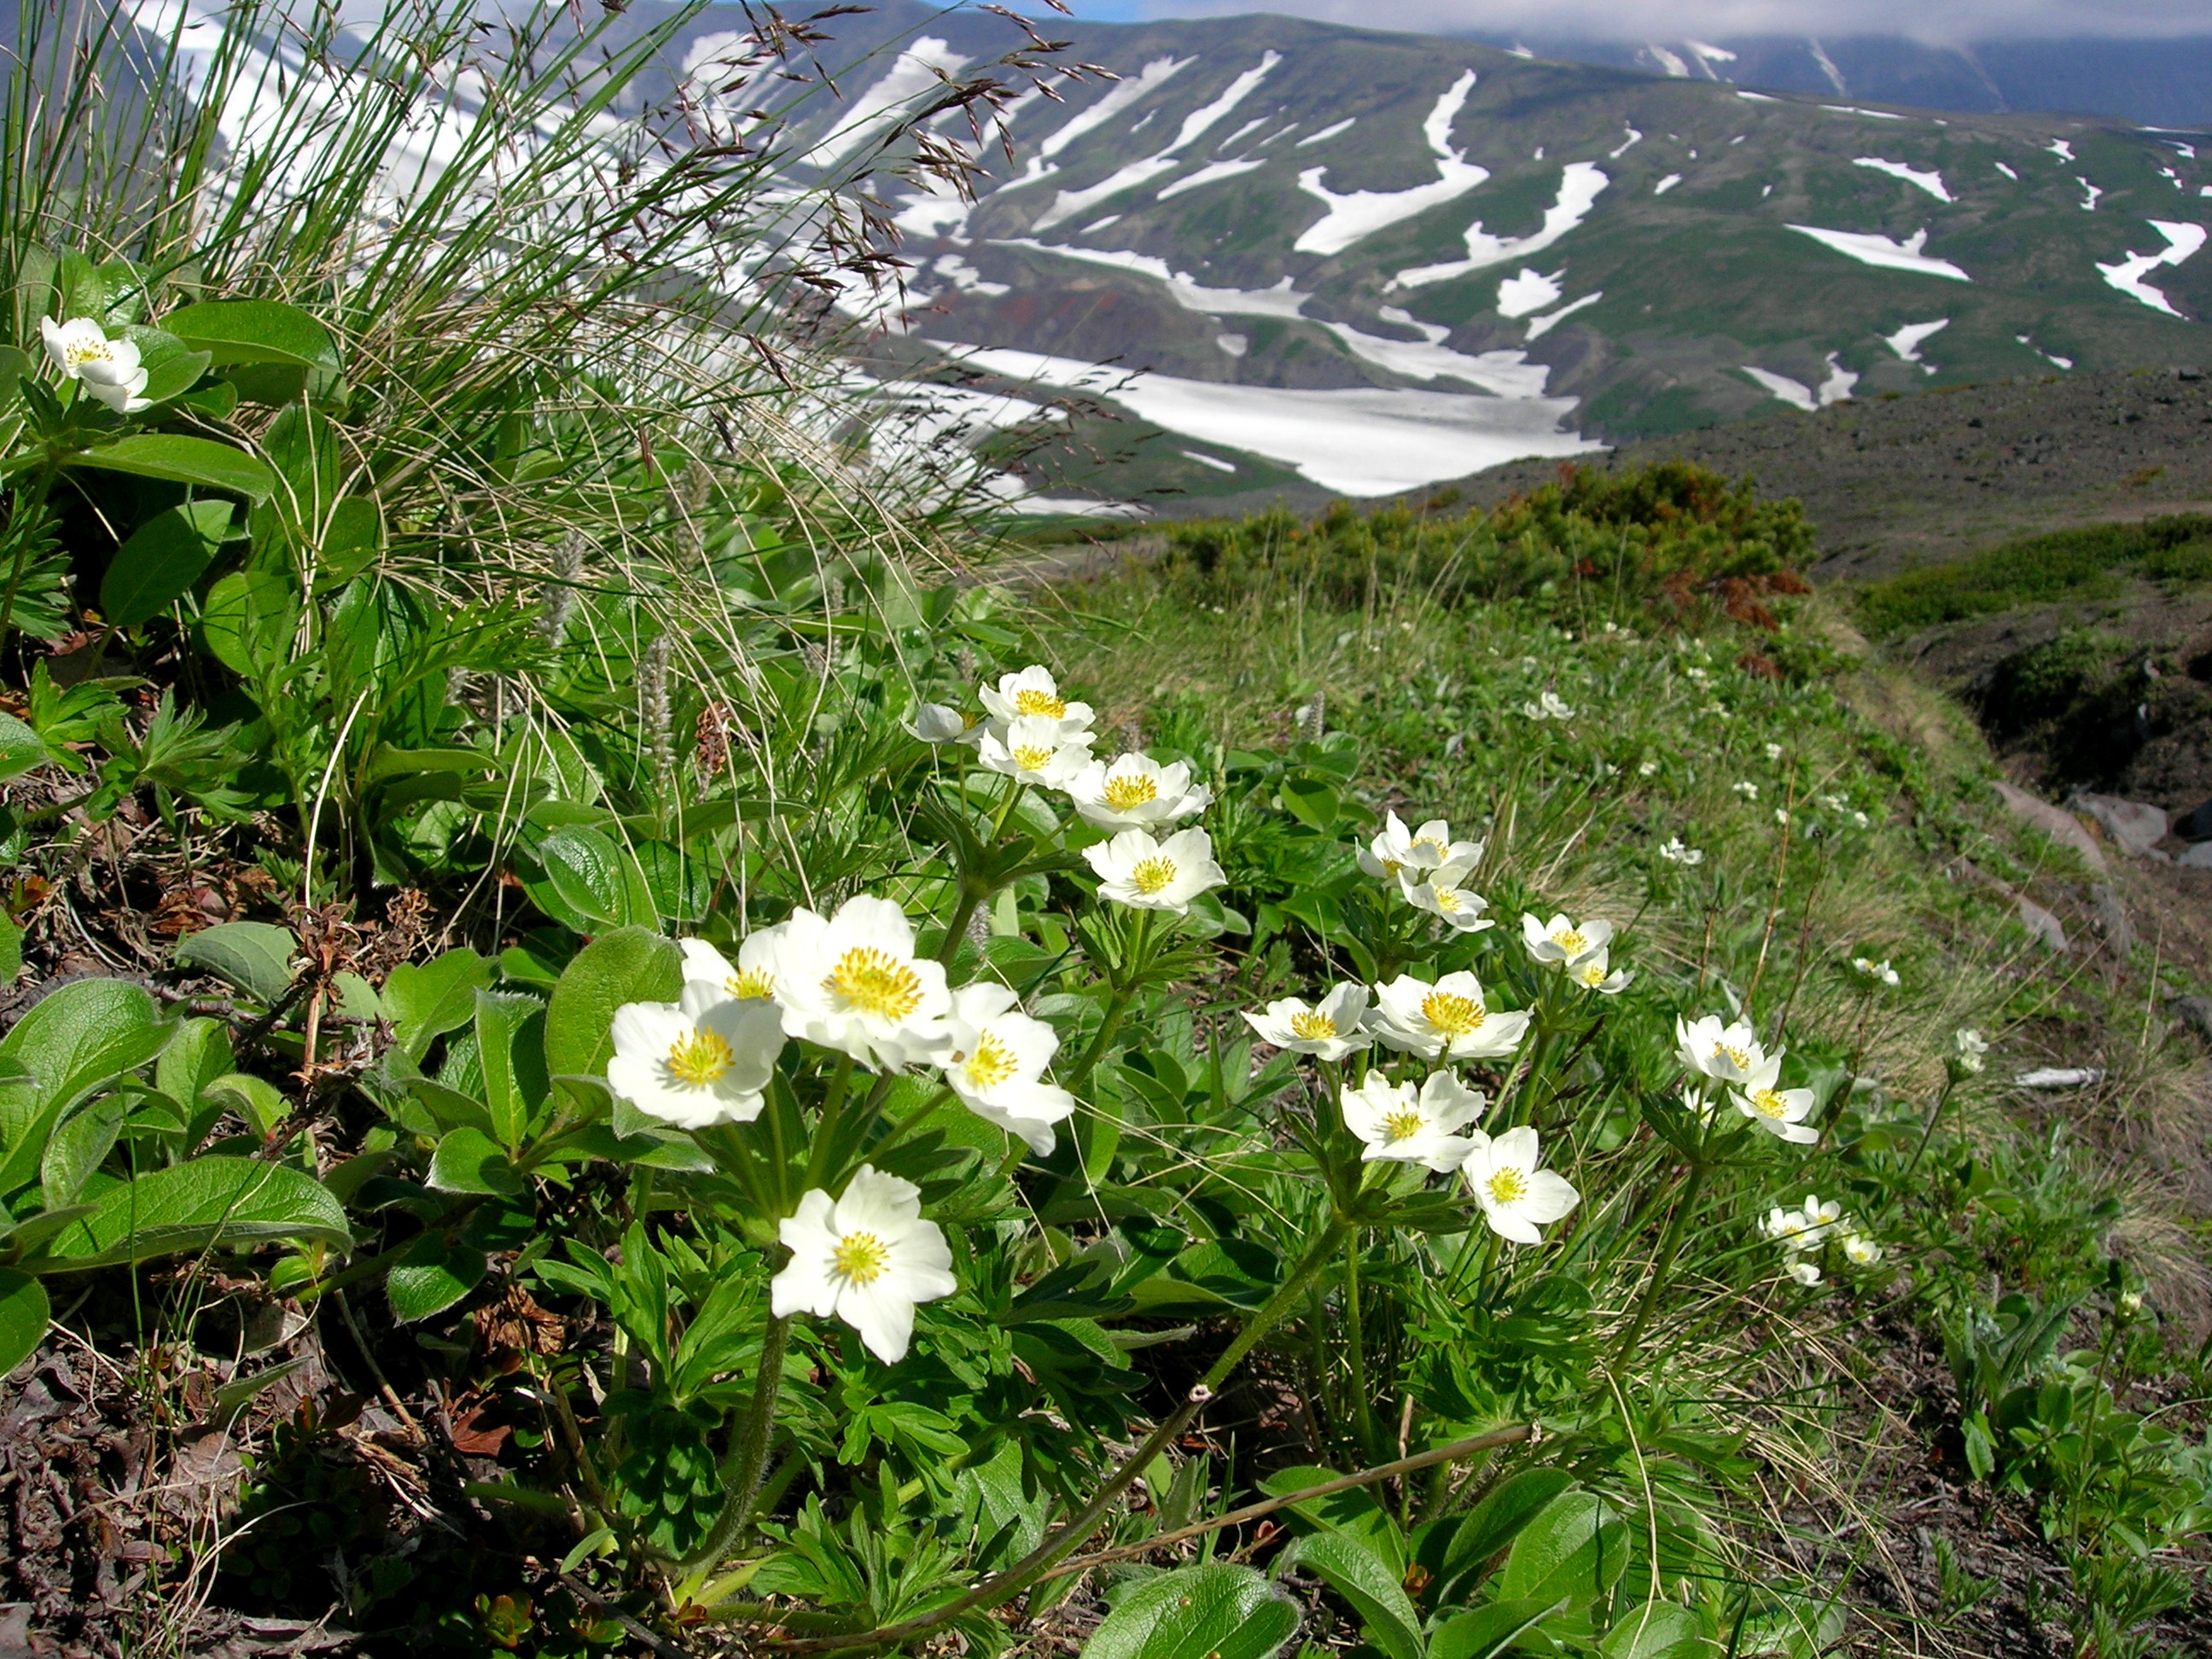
[[748, 1459], [1356, 1348], [1670, 1243]]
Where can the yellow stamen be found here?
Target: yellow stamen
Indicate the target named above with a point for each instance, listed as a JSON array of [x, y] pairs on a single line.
[[1312, 1027], [1042, 703], [699, 1058], [1130, 791], [993, 1063], [1734, 1056], [1768, 1104], [859, 1259], [1449, 900], [751, 984], [1507, 1185], [875, 983], [1455, 1016], [1402, 1126], [1152, 875], [1430, 842], [1031, 759], [1591, 975], [1570, 941]]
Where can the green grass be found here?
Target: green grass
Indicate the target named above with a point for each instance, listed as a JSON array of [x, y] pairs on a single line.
[[2087, 564]]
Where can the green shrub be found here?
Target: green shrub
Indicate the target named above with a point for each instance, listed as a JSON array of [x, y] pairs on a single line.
[[2085, 563]]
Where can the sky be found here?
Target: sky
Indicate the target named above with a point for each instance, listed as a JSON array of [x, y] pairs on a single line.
[[1937, 21]]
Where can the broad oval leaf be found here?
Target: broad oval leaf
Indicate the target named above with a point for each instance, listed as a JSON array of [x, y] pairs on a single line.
[[254, 331], [20, 748], [161, 561], [254, 957], [470, 1161], [596, 878], [1219, 1610], [1657, 1630], [208, 1203], [24, 1311], [1573, 1550], [1496, 1522], [178, 459], [1364, 1579], [439, 996], [433, 1276], [248, 621], [75, 1038], [627, 965]]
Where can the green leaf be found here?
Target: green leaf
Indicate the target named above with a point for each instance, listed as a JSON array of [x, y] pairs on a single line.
[[163, 557], [20, 748], [254, 331], [1218, 1610], [1356, 1514], [178, 460], [1364, 1579], [24, 1311], [437, 997], [1494, 1522], [1573, 1550], [1486, 1631], [1657, 1630], [254, 1099], [78, 1037], [254, 957], [249, 619], [469, 1161], [199, 1054], [627, 965], [433, 1276], [511, 1050], [205, 1204], [77, 1148], [1311, 802], [352, 537], [596, 878]]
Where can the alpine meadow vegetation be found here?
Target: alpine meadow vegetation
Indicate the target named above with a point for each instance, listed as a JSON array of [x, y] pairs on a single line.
[[620, 1038]]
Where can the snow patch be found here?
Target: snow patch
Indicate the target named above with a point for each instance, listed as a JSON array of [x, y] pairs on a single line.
[[1623, 146], [1796, 393], [1123, 95], [1871, 249], [1434, 333], [1530, 291], [1359, 441], [1827, 66], [1715, 54], [2047, 356], [1257, 121], [1195, 125], [1907, 341], [2061, 149], [1930, 182], [1757, 98], [1579, 186], [1110, 219], [1364, 212], [2008, 172], [1205, 459], [1667, 183], [1345, 125], [2090, 204], [1235, 344], [1504, 373], [1839, 382], [1539, 326], [1675, 68], [964, 276], [1212, 173], [929, 214], [923, 67], [1871, 114], [1281, 301], [2127, 274], [1517, 50]]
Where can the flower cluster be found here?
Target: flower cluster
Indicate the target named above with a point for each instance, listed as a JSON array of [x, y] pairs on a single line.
[[1577, 950], [1430, 870], [1731, 1055], [1970, 1047], [1803, 1233]]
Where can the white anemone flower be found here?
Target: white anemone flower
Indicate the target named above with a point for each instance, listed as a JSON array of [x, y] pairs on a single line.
[[1423, 851], [1805, 1273], [1590, 974], [1779, 1112], [1399, 1124], [1971, 1046], [1136, 792], [1725, 1053], [1748, 790], [1450, 1019], [1460, 910], [1676, 853], [702, 1060], [1035, 749], [765, 961], [1860, 1250], [939, 722], [997, 1065], [1881, 972], [853, 983], [1516, 1197], [1033, 694], [1337, 1027], [1146, 874], [866, 1258], [1560, 943], [1804, 1228], [107, 369]]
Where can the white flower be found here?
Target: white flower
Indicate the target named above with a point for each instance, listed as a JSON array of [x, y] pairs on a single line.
[[1728, 1054], [1449, 1020], [1971, 1046], [1424, 851], [2131, 1304], [1836, 802], [1779, 1112], [853, 983], [938, 722], [1590, 974], [1136, 792], [107, 369], [1676, 853], [1860, 820], [1035, 749], [1460, 910], [1803, 1230], [1146, 874], [1336, 1028], [1554, 708], [866, 1258], [1645, 769], [997, 1065], [1560, 943], [765, 961], [1805, 1273], [1747, 790], [1774, 751], [702, 1060], [1402, 1126], [1860, 1250], [1516, 1197], [1782, 815], [1880, 971], [1032, 695]]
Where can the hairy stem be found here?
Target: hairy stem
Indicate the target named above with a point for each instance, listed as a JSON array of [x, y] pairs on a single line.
[[748, 1459]]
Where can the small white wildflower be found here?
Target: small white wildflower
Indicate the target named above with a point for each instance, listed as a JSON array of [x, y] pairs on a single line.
[[1782, 816], [1337, 1026], [1451, 1019], [936, 722], [1400, 1125], [1516, 1197], [1144, 874], [866, 1258], [1747, 790], [1676, 853], [1805, 1274], [1726, 1053], [1879, 972], [1644, 769], [1860, 1250], [1560, 943], [107, 369], [1860, 820], [1774, 751]]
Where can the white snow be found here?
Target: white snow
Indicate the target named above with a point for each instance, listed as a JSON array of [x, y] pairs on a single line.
[[1362, 440], [1281, 301], [1930, 182], [1796, 393], [2188, 151], [1516, 50], [1111, 219], [1871, 249], [933, 213], [1201, 121], [1871, 114], [964, 276], [1257, 121], [1907, 341], [922, 68], [2127, 275], [2008, 172], [1579, 186], [1539, 326], [1205, 459], [1212, 173], [1757, 98], [1622, 147], [1718, 54], [1675, 68], [1531, 290], [1235, 344], [1839, 382], [1434, 333], [2090, 205], [1505, 373], [1827, 65], [1766, 191], [1123, 95], [2061, 149], [1364, 212], [1539, 156], [1069, 203], [1667, 183], [2047, 356], [1345, 125]]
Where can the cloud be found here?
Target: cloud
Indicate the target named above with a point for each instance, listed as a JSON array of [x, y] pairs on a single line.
[[1954, 22]]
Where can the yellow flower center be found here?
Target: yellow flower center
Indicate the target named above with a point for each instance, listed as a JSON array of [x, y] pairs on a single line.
[[1402, 1126], [1449, 900], [859, 1259], [1453, 1014], [993, 1063], [1312, 1027], [1429, 842], [1507, 1185], [1031, 759], [1733, 1055], [751, 984], [1042, 703], [1152, 875], [875, 983], [1130, 791], [1590, 974], [699, 1058], [1571, 941], [81, 352], [1768, 1104]]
